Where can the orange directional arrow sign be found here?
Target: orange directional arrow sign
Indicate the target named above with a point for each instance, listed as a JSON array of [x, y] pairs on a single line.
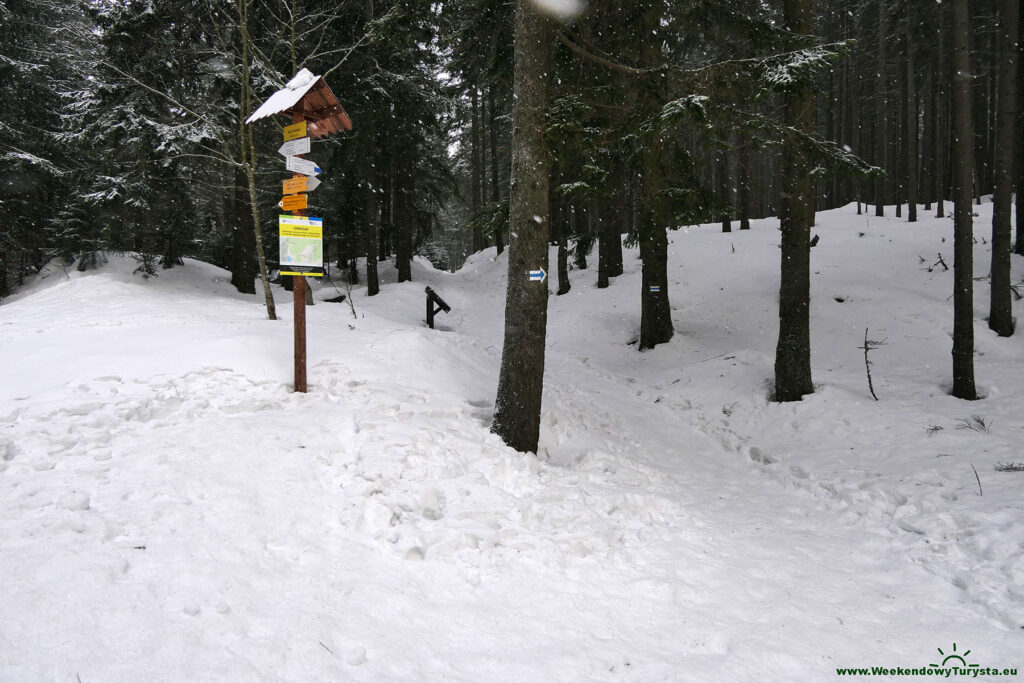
[[293, 202], [300, 184]]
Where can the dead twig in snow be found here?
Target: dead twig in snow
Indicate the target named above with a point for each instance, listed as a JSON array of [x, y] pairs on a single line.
[[870, 344], [980, 492]]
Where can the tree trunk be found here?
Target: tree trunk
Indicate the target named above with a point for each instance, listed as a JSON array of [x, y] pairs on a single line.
[[560, 234], [585, 237], [404, 215], [243, 241], [724, 191], [963, 237], [248, 154], [499, 241], [899, 146], [927, 184], [793, 352], [475, 167], [881, 109], [371, 207], [743, 182], [615, 232], [387, 214], [517, 407], [564, 285], [371, 213], [1019, 247], [910, 147], [1001, 310], [655, 308], [941, 148]]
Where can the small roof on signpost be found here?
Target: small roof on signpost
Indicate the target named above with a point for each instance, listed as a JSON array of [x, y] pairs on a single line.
[[308, 97]]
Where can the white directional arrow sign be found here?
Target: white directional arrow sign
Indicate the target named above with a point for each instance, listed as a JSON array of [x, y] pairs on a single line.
[[293, 147], [537, 275], [303, 166]]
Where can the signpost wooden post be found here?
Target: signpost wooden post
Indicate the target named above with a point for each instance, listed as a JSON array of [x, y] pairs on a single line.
[[315, 112]]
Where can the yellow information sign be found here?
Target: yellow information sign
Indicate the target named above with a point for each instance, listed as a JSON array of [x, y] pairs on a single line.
[[295, 131], [301, 226], [294, 202], [301, 244]]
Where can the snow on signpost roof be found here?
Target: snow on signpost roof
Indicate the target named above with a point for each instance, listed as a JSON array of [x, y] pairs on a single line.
[[309, 97], [286, 97]]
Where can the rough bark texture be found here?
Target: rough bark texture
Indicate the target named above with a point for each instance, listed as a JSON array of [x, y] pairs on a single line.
[[371, 215], [743, 182], [475, 167], [243, 240], [248, 153], [793, 352], [940, 117], [559, 233], [963, 238], [521, 380], [1019, 247], [404, 216], [499, 242], [881, 109], [725, 191], [604, 254], [910, 151], [655, 308], [564, 284], [1001, 310]]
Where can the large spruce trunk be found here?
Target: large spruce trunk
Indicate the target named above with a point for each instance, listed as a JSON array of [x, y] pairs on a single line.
[[404, 216], [881, 109], [371, 213], [963, 220], [243, 239], [1001, 309], [655, 308], [521, 378], [793, 352], [911, 147]]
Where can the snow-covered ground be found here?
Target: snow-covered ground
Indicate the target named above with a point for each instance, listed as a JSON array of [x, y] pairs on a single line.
[[171, 511]]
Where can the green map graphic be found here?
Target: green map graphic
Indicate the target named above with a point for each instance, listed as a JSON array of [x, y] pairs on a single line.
[[302, 251]]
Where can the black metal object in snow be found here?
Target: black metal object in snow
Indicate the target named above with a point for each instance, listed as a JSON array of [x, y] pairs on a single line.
[[433, 298]]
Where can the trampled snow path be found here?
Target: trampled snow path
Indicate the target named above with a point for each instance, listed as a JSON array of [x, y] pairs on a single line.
[[170, 511]]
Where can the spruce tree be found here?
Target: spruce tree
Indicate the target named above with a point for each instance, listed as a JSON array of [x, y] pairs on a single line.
[[963, 218], [517, 406], [793, 351]]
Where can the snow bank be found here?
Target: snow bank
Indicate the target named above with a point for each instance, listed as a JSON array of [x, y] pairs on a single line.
[[170, 510]]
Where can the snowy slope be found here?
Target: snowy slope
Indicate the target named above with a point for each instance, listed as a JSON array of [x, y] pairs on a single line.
[[170, 511]]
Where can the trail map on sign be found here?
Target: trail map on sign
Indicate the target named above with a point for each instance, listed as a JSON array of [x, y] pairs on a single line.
[[301, 241]]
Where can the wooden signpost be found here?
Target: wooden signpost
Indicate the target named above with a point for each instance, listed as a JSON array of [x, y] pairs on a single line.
[[315, 112]]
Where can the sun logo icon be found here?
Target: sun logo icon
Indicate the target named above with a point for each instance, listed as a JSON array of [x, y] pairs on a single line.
[[954, 657]]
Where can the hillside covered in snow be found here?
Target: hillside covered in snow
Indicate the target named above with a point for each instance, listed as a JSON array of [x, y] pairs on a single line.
[[170, 510]]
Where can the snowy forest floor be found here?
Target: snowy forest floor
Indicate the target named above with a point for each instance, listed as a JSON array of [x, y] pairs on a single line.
[[171, 511]]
